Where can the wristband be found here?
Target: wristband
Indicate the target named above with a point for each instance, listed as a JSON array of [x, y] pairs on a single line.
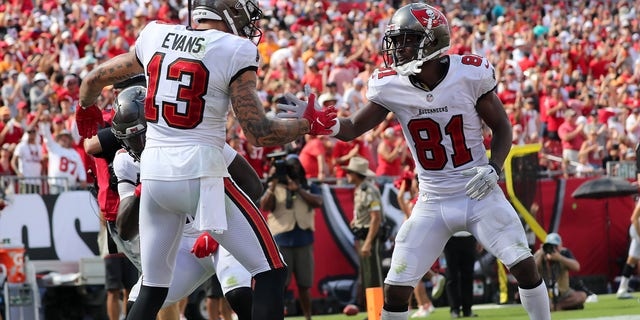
[[495, 167]]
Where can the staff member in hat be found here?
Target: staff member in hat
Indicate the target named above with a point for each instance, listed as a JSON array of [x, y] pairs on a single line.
[[367, 217]]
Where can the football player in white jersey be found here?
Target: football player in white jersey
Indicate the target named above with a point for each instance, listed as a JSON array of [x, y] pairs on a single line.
[[129, 127], [192, 75], [441, 101]]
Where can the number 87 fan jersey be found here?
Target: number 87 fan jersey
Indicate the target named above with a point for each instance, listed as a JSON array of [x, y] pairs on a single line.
[[441, 126], [188, 73]]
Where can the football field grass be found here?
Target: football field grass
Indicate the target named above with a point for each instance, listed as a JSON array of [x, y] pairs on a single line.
[[607, 308]]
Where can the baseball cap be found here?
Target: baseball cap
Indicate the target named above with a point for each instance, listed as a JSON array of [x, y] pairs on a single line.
[[63, 132], [553, 238], [99, 10], [389, 132], [58, 119], [569, 113], [40, 76], [22, 105]]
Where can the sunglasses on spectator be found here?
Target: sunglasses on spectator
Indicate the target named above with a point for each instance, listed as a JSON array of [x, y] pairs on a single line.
[[31, 131]]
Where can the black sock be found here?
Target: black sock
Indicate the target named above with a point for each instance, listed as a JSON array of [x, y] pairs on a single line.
[[129, 306], [627, 270], [531, 287], [390, 308], [148, 303], [268, 294], [240, 300]]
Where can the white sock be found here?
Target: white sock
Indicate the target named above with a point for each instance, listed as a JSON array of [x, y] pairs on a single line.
[[624, 284], [388, 315], [536, 302]]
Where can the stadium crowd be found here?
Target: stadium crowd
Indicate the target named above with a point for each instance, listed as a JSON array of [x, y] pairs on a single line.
[[555, 62], [568, 75]]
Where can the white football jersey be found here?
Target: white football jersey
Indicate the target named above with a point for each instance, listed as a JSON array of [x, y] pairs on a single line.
[[442, 128], [29, 160], [127, 170], [63, 162], [188, 76]]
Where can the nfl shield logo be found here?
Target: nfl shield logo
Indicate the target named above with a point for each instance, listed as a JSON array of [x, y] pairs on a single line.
[[429, 97]]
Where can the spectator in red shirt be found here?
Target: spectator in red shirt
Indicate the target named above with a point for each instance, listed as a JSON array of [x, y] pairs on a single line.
[[11, 131], [313, 77], [509, 88], [116, 44], [553, 106], [572, 136], [392, 151], [68, 97], [343, 151], [312, 157]]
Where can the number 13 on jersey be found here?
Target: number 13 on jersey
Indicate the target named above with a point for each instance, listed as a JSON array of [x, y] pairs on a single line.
[[191, 94]]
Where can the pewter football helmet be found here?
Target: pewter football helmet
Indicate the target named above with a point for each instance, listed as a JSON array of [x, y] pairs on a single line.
[[417, 27], [240, 16], [129, 124]]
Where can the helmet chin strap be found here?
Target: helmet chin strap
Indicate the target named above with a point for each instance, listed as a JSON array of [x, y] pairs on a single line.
[[410, 68]]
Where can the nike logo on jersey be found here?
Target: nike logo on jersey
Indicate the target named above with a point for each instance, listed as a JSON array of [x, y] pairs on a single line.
[[184, 43]]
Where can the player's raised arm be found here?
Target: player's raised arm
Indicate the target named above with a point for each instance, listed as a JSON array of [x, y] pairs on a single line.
[[263, 131], [114, 70], [345, 129], [361, 121]]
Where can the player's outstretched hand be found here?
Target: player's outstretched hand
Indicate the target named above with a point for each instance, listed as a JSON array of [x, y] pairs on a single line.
[[204, 246], [89, 120], [485, 179], [321, 121]]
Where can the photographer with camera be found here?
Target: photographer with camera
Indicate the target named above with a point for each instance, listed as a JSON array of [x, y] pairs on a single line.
[[554, 263], [291, 201]]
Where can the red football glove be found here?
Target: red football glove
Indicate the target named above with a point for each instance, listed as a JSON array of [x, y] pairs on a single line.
[[89, 120], [320, 121], [138, 189], [204, 246]]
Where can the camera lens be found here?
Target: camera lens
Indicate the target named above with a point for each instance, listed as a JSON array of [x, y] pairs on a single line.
[[548, 248]]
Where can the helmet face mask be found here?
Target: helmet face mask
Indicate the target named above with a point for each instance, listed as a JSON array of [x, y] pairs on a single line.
[[416, 33], [129, 124], [240, 16]]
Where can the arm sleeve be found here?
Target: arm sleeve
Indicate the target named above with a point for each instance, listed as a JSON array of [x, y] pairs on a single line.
[[110, 145]]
